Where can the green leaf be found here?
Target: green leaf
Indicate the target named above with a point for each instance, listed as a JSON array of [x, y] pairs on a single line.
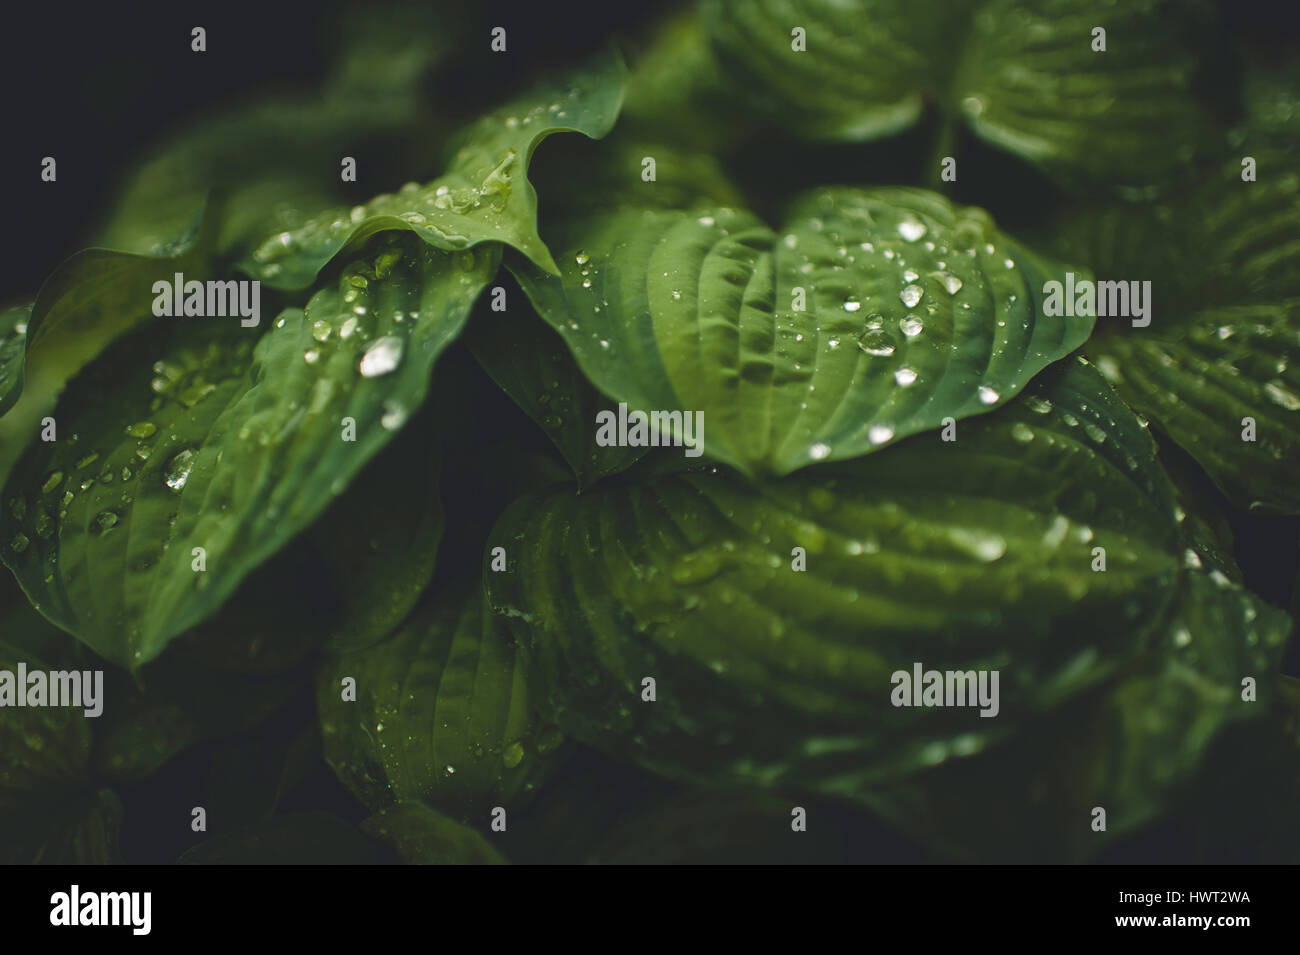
[[1240, 809], [276, 161], [379, 541], [93, 298], [75, 828], [443, 714], [1126, 748], [532, 365], [484, 196], [1203, 383], [613, 171], [193, 434], [13, 351], [1022, 73], [300, 838], [1223, 345], [913, 311], [767, 674], [424, 836], [676, 91], [49, 810], [43, 749]]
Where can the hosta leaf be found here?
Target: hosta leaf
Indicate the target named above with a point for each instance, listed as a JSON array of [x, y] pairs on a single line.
[[1022, 73], [1223, 345], [973, 554], [871, 316], [49, 811], [1031, 82], [93, 298], [75, 828], [612, 177], [484, 196], [1240, 808], [190, 435], [676, 92], [13, 350], [864, 74], [379, 542], [443, 714], [1206, 386], [42, 748], [1124, 749], [424, 836], [532, 365]]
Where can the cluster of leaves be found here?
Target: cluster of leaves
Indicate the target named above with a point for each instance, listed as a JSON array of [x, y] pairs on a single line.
[[395, 484]]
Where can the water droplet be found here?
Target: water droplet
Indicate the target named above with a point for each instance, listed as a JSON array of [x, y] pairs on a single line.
[[876, 342], [852, 305], [141, 429], [987, 395], [1022, 432], [87, 461], [910, 276], [311, 356], [52, 481], [879, 433], [582, 258], [951, 284], [905, 376], [705, 220], [381, 356], [1281, 396], [981, 545], [911, 295], [105, 521], [912, 327], [394, 416], [911, 230], [178, 470], [512, 756], [1038, 405], [819, 451], [320, 330]]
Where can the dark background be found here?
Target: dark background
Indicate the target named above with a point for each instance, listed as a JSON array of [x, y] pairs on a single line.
[[98, 85]]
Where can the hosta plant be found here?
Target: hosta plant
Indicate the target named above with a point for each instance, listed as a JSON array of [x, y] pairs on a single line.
[[871, 412]]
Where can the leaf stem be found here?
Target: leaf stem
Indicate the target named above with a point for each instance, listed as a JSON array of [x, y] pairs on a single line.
[[944, 141]]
